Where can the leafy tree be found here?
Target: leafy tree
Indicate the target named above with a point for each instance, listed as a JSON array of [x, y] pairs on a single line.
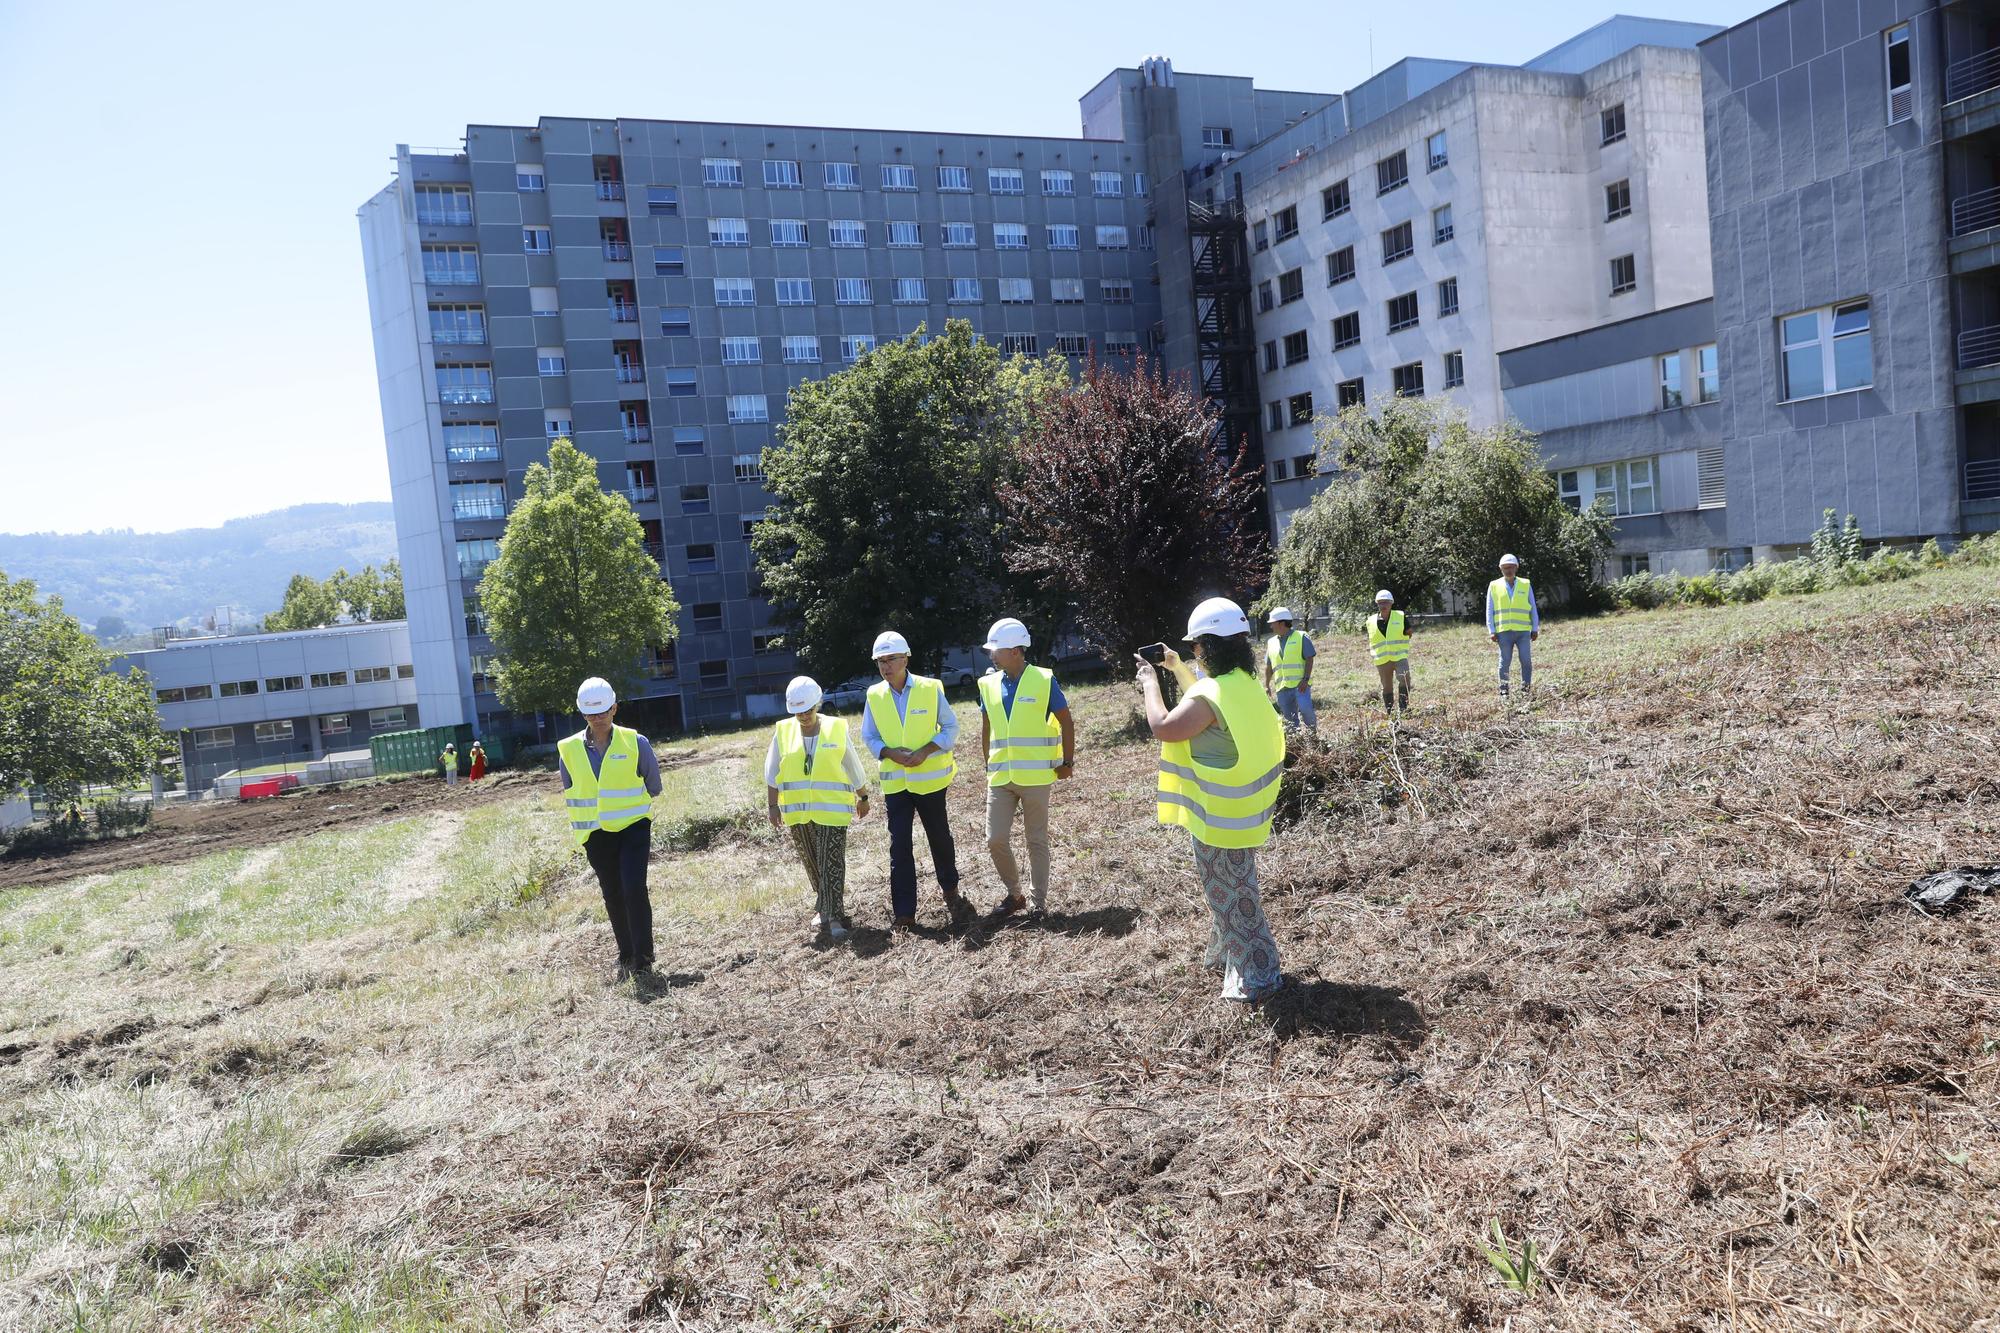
[[311, 603], [573, 593], [65, 720], [110, 627], [388, 604], [1422, 503], [308, 604], [1118, 499], [885, 509]]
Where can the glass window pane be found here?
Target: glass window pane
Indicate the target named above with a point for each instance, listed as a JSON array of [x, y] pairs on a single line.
[[1801, 329], [1852, 365], [1803, 377], [1850, 319]]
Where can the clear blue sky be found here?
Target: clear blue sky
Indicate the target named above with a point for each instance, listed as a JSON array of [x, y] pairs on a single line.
[[187, 334]]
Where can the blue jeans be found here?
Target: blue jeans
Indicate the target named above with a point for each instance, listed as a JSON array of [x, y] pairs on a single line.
[[1295, 706], [1511, 642]]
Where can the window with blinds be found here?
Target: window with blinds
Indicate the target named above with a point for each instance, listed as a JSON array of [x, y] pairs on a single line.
[[1708, 470]]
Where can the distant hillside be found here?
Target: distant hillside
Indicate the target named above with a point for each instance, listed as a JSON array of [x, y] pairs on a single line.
[[165, 578]]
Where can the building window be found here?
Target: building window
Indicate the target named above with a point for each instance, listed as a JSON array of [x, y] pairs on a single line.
[[465, 382], [663, 200], [741, 351], [1145, 237], [707, 616], [788, 232], [959, 235], [1270, 356], [1217, 136], [715, 676], [748, 408], [954, 180], [1707, 375], [473, 558], [1066, 291], [721, 171], [1827, 350], [1399, 242], [1441, 228], [1346, 331], [1447, 297], [282, 684], [690, 440], [782, 175], [1265, 299], [1278, 468], [1260, 235], [1299, 408], [852, 291], [1340, 266], [1409, 380], [1392, 173], [795, 291], [1010, 236], [841, 175], [535, 240], [1113, 238], [1624, 275], [1295, 348], [1436, 154], [1004, 180], [1017, 291], [846, 233], [1291, 286], [474, 500], [1349, 393], [1107, 185], [1058, 182], [1611, 124], [471, 442], [1617, 200], [544, 301], [963, 291], [1115, 291], [458, 323], [1622, 489], [677, 321], [444, 205], [1062, 237], [669, 261], [1285, 223], [528, 178], [387, 719], [904, 234], [700, 557], [333, 724], [898, 176], [1120, 342], [1334, 201], [270, 732], [326, 680], [1628, 565], [681, 382], [735, 291], [451, 265], [854, 345], [1072, 344], [1896, 49], [1139, 184], [910, 291], [801, 349], [1274, 416], [1402, 312], [1454, 370], [1670, 382], [749, 467], [550, 361], [1018, 344], [728, 231], [694, 500], [555, 424], [1710, 480]]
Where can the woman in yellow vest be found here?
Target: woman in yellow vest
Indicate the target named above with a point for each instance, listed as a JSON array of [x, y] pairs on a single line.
[[610, 776], [1389, 645], [815, 786], [1221, 759]]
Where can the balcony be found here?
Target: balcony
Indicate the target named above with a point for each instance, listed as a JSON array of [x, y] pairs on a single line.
[[639, 434], [1982, 479], [444, 217], [461, 394], [611, 191], [641, 494], [459, 334], [453, 275], [462, 510], [656, 549], [1972, 76], [1979, 347], [624, 312], [630, 374], [472, 453], [472, 569], [619, 251], [1975, 212]]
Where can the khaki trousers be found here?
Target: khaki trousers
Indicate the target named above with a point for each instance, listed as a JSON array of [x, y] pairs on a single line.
[[1033, 803]]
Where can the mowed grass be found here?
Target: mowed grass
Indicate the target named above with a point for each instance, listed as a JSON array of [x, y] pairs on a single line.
[[376, 1079]]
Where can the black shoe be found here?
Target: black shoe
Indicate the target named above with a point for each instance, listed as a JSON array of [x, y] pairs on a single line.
[[624, 973]]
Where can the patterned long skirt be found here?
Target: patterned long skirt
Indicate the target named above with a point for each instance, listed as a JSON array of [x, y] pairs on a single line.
[[823, 852], [1239, 938]]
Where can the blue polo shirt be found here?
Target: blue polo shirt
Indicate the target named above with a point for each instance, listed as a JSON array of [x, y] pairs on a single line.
[[1007, 683], [871, 735]]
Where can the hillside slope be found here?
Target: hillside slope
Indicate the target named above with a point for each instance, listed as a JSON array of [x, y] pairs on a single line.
[[1628, 974]]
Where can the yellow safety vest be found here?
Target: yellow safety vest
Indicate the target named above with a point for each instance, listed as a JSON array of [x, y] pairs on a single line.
[[1024, 749], [1227, 807], [1287, 659], [819, 792], [1393, 646], [925, 708], [611, 798], [1511, 611]]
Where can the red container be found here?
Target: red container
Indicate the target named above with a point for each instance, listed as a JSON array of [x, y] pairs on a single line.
[[250, 791]]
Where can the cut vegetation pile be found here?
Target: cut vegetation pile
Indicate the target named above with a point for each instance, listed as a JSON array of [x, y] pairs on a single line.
[[1604, 1015]]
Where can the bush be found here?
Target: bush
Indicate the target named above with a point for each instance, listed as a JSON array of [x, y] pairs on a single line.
[[109, 819], [1833, 563]]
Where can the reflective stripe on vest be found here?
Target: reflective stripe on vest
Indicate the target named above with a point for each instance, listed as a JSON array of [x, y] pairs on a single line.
[[613, 797], [1227, 807], [1287, 659], [1511, 610], [814, 791], [1393, 646], [925, 703], [1024, 748]]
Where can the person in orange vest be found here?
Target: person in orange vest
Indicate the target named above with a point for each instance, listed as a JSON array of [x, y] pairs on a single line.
[[478, 761]]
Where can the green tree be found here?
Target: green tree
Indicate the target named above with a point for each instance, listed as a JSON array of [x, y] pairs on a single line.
[[110, 627], [312, 603], [66, 721], [1422, 503], [885, 509], [308, 604], [389, 600], [573, 593]]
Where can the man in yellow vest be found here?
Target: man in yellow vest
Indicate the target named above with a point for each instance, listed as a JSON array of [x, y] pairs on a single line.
[[1025, 731], [1513, 622], [815, 786], [610, 776], [1389, 645], [909, 726], [1288, 670]]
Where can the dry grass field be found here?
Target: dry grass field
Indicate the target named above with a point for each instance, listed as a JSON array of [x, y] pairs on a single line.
[[1606, 1014]]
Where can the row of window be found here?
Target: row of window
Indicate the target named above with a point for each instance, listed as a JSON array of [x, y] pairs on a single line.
[[331, 724], [1407, 381], [233, 689], [903, 291], [847, 233], [787, 174], [804, 349]]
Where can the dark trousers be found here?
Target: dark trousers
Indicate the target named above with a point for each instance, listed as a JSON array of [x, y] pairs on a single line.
[[903, 808], [619, 858]]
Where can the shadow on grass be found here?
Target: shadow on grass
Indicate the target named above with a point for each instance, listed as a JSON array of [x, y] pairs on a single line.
[[651, 988], [1344, 1009], [1110, 922]]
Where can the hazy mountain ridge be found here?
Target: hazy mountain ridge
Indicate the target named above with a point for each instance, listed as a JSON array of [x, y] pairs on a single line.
[[163, 578]]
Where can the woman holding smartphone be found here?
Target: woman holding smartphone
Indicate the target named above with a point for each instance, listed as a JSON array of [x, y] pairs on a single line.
[[1222, 756]]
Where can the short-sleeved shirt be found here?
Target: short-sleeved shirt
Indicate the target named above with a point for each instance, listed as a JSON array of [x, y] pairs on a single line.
[[1007, 685]]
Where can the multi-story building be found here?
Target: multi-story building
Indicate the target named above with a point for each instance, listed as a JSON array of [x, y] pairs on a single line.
[[256, 699], [653, 289]]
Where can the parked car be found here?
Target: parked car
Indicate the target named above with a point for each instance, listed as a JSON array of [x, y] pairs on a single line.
[[849, 693]]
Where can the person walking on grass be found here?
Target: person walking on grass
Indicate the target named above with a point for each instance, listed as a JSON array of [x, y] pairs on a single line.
[[815, 786], [1389, 645], [909, 726], [449, 762], [1222, 758], [610, 776], [1288, 670], [478, 762], [1513, 622], [1030, 743]]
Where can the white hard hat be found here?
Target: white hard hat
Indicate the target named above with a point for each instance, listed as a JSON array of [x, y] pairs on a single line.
[[802, 695], [1510, 559], [595, 696], [1279, 613], [1385, 596], [1218, 616], [888, 641], [1007, 632]]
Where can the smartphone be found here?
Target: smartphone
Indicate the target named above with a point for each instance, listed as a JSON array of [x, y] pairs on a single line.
[[1156, 653]]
